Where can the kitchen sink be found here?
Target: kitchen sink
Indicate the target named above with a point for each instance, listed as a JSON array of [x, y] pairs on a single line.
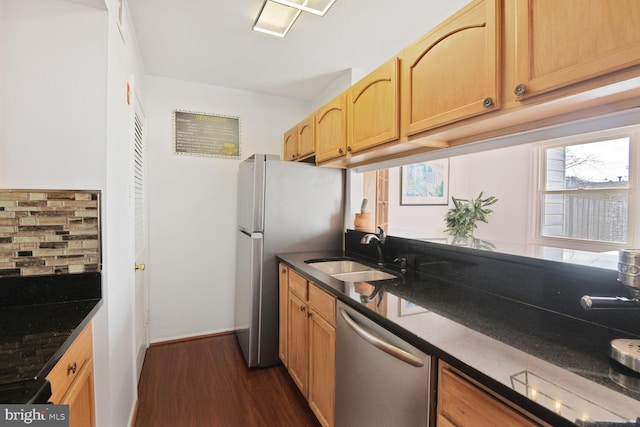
[[364, 276], [339, 266], [349, 271]]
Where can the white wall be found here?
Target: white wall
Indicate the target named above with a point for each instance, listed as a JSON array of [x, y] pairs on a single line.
[[4, 34], [192, 203], [64, 123], [503, 173], [339, 85], [53, 103], [115, 404]]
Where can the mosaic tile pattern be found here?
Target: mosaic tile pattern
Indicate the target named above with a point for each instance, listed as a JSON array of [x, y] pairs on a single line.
[[49, 232]]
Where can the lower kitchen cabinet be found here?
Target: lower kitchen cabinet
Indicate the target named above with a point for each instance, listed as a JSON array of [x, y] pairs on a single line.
[[298, 343], [72, 381], [311, 343], [283, 300], [322, 354], [80, 398], [463, 404]]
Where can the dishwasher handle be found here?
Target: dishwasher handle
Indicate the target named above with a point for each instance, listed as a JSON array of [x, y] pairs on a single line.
[[388, 348]]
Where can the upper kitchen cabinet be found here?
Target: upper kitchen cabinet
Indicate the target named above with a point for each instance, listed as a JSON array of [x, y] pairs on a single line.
[[331, 129], [306, 138], [373, 108], [291, 144], [453, 72], [299, 141], [559, 43]]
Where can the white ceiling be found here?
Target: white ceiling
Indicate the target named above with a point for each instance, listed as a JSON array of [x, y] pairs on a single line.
[[211, 41]]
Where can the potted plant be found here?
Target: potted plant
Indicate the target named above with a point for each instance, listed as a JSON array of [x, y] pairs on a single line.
[[461, 219], [364, 219]]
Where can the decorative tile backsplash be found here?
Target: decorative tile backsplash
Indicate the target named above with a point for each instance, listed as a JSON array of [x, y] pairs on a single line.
[[49, 232]]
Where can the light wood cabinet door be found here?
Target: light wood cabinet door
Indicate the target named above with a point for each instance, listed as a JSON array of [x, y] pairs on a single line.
[[283, 299], [373, 113], [463, 404], [453, 72], [564, 42], [331, 129], [65, 372], [72, 380], [298, 285], [299, 141], [298, 350], [311, 342], [306, 137], [290, 144], [80, 398], [322, 368]]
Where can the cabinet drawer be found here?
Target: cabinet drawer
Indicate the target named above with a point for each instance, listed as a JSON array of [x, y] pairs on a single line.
[[322, 303], [67, 368], [464, 404], [298, 285]]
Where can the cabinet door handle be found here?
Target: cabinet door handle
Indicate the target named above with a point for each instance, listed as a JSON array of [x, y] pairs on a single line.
[[72, 368], [488, 102], [302, 308], [388, 348], [340, 151], [520, 90], [349, 149], [284, 270]]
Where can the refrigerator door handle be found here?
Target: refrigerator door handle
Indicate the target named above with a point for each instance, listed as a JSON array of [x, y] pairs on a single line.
[[251, 235]]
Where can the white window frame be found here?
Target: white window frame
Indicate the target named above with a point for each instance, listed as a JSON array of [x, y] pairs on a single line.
[[537, 191]]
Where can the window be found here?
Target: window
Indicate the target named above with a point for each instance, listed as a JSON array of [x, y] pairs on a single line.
[[585, 197]]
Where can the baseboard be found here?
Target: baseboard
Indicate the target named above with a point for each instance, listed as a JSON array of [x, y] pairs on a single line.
[[134, 414], [173, 340]]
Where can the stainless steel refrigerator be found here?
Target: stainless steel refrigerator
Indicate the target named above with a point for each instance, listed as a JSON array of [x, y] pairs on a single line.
[[283, 207]]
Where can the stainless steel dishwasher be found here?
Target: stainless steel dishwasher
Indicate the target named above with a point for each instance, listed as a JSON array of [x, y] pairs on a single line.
[[381, 380]]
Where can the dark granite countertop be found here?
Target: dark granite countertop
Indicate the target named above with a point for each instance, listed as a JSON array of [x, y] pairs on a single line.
[[40, 317], [554, 366]]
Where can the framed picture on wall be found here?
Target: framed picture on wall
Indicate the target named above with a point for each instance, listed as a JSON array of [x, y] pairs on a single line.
[[204, 134], [425, 183]]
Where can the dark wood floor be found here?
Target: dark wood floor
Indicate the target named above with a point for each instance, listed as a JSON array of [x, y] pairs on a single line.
[[204, 382]]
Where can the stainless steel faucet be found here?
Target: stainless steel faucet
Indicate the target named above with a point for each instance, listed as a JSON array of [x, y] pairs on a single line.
[[378, 239], [591, 303], [377, 291], [628, 275]]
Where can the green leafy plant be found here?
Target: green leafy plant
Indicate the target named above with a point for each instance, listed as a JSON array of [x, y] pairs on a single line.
[[461, 219]]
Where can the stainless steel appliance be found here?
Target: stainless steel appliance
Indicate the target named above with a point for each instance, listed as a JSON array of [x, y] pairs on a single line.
[[380, 379], [282, 207], [623, 351]]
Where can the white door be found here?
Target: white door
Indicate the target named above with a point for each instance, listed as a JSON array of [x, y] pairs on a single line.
[[141, 309]]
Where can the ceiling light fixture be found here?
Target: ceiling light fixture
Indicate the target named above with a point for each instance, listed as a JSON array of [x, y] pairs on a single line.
[[317, 7], [276, 17]]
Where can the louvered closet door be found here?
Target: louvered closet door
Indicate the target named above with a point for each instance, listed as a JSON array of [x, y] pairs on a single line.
[[140, 233]]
